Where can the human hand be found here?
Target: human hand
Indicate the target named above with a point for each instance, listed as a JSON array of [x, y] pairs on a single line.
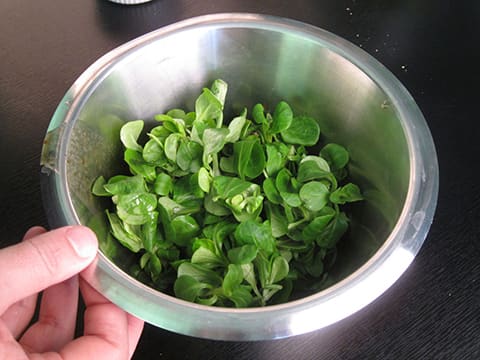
[[50, 262]]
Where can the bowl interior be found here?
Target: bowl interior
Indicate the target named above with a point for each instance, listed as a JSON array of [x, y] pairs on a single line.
[[260, 65]]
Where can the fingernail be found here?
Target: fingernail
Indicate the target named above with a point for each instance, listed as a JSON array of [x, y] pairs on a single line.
[[83, 241]]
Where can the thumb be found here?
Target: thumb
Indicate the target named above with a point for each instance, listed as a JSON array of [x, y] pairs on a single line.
[[44, 260]]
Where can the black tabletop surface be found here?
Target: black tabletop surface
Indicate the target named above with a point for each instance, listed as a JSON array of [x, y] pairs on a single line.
[[433, 311]]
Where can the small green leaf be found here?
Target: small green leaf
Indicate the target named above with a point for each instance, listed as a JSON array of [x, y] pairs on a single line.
[[276, 157], [98, 188], [220, 233], [219, 89], [330, 236], [336, 156], [144, 260], [282, 181], [185, 228], [171, 146], [213, 141], [117, 178], [262, 265], [278, 221], [291, 199], [174, 125], [214, 206], [314, 229], [314, 195], [258, 114], [153, 152], [279, 270], [159, 132], [271, 191], [154, 266], [282, 118], [287, 191], [210, 219], [314, 170], [249, 276], [167, 209], [303, 130], [198, 127], [204, 242], [189, 288], [177, 114], [130, 241], [249, 158], [138, 165], [227, 164], [189, 156], [321, 163], [242, 254], [226, 186], [236, 126], [242, 197], [207, 258], [315, 267], [233, 278], [204, 180], [253, 233], [348, 193], [187, 188], [136, 208], [163, 184], [129, 134], [208, 107], [149, 232], [241, 296], [126, 185], [200, 273]]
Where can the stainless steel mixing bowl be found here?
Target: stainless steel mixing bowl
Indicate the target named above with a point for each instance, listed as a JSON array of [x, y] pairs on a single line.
[[357, 102]]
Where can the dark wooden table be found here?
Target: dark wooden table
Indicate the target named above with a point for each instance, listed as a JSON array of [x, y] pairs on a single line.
[[433, 311]]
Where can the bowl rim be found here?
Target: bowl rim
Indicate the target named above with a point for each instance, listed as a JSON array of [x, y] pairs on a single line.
[[275, 321]]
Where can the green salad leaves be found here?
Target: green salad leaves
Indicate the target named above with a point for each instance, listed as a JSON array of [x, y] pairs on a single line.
[[230, 214]]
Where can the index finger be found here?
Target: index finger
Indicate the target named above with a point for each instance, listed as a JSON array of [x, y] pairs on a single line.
[[109, 332]]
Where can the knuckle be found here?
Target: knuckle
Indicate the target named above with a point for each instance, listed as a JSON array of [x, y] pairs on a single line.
[[51, 322], [48, 255]]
